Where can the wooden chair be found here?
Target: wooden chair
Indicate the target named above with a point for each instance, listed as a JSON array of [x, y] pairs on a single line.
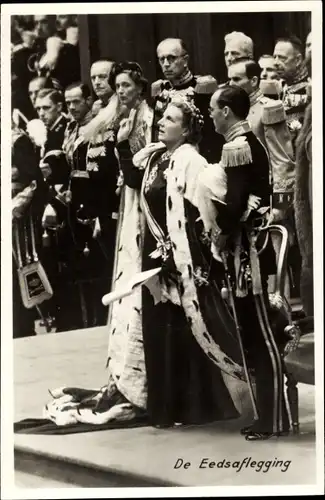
[[299, 362]]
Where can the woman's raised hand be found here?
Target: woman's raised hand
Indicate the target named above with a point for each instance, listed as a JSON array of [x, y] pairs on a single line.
[[126, 126]]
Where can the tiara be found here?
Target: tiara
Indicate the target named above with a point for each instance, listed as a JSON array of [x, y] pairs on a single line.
[[188, 101]]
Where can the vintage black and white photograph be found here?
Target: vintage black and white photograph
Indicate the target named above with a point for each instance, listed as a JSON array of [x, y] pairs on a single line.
[[162, 248]]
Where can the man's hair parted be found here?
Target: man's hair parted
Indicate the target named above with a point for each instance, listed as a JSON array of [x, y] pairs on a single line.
[[236, 99], [85, 90]]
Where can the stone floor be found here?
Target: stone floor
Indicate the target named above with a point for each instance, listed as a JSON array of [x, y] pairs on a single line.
[[78, 358]]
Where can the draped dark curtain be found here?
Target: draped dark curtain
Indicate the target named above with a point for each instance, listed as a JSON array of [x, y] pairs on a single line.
[[135, 36]]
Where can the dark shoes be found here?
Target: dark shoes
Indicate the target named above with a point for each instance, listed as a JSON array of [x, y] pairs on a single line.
[[262, 436], [246, 430]]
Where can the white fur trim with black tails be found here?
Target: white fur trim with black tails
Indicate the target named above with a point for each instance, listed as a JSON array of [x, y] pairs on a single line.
[[125, 349], [186, 164]]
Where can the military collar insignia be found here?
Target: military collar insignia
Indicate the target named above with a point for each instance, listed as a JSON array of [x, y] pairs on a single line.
[[183, 81], [236, 130], [57, 122], [255, 97]]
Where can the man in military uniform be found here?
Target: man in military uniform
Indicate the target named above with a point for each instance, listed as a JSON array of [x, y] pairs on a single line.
[[174, 59], [238, 46], [247, 169], [267, 120], [289, 62], [86, 205], [267, 65], [49, 106], [99, 75]]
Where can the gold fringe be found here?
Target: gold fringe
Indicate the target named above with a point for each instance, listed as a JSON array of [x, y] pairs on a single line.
[[206, 84], [273, 112], [234, 155], [270, 87]]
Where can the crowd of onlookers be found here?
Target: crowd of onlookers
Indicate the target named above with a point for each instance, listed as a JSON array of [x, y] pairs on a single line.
[[46, 85], [42, 46]]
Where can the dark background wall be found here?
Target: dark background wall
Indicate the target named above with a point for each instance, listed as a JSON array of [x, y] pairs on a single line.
[[135, 36]]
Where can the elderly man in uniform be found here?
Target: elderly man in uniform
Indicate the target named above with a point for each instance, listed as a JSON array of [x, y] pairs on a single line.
[[173, 58], [237, 46], [289, 62], [99, 75], [247, 171]]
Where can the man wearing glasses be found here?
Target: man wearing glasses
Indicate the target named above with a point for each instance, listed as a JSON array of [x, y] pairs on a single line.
[[174, 59]]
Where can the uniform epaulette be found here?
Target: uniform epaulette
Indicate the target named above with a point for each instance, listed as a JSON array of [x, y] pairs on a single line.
[[236, 153], [16, 134], [206, 84], [156, 87], [18, 47], [270, 87], [273, 112]]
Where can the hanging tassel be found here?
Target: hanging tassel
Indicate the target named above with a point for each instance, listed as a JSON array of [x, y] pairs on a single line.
[[45, 239], [255, 265], [240, 292], [236, 153], [50, 217], [224, 292], [273, 112], [86, 250]]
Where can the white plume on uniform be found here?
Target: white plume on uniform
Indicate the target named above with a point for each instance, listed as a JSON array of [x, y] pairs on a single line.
[[104, 120], [37, 131], [53, 47]]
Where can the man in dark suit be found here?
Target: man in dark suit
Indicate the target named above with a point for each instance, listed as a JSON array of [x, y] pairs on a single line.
[[247, 167]]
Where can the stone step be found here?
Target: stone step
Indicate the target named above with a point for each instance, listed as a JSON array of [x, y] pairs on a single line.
[[142, 456], [35, 469]]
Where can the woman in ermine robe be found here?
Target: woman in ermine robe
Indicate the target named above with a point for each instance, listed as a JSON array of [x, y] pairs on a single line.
[[177, 366]]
